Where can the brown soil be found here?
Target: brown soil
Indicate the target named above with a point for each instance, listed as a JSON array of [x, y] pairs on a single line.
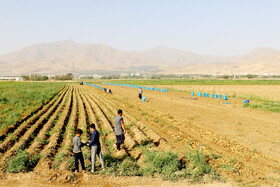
[[63, 178], [251, 136], [167, 121]]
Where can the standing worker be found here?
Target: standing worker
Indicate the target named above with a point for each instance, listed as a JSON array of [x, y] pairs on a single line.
[[140, 91], [77, 144], [119, 129], [95, 147]]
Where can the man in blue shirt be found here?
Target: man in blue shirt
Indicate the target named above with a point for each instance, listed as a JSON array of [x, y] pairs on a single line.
[[95, 147]]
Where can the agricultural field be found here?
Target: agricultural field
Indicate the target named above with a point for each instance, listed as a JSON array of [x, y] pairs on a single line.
[[19, 100], [171, 138]]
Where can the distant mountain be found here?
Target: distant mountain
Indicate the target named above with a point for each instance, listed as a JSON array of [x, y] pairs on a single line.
[[59, 57], [178, 58], [257, 61]]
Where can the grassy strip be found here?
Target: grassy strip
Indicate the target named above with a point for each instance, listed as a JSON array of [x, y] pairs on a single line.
[[165, 164], [266, 106], [193, 82]]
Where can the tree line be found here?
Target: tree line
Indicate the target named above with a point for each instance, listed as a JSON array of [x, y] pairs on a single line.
[[37, 77]]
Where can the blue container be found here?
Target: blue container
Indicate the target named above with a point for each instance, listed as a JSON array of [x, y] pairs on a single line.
[[225, 97], [204, 95], [207, 95], [144, 99], [220, 96], [216, 96], [212, 95], [192, 93]]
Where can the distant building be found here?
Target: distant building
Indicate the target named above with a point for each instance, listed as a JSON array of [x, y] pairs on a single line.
[[124, 75], [11, 78]]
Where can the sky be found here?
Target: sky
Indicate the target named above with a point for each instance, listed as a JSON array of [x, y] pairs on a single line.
[[210, 27]]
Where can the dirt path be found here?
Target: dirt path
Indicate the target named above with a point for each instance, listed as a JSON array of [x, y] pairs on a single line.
[[59, 178]]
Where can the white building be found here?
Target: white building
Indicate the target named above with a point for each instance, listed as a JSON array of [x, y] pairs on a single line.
[[11, 78]]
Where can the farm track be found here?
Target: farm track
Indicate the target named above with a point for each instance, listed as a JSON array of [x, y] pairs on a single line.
[[251, 165]]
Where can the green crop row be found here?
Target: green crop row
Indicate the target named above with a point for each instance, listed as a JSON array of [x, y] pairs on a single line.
[[19, 99]]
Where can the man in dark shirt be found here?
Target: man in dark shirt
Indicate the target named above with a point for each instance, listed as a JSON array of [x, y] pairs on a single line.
[[119, 129], [95, 147]]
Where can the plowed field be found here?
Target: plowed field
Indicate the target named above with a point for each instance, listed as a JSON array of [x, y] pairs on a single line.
[[245, 140]]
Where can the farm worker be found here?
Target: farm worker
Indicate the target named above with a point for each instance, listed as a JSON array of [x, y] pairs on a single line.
[[77, 144], [140, 91], [119, 129], [95, 147]]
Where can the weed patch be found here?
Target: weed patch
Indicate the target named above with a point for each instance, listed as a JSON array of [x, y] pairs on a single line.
[[197, 166], [22, 162], [126, 167], [164, 163], [266, 106]]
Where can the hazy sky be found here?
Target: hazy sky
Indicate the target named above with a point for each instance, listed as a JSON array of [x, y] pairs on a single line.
[[217, 27]]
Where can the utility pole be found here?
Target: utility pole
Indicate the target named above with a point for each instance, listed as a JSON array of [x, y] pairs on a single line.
[[30, 72], [73, 70]]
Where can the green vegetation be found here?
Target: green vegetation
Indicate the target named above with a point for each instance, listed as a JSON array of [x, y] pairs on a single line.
[[19, 99], [110, 143], [197, 166], [194, 82], [165, 164], [68, 76], [37, 77], [22, 162], [118, 167], [34, 77], [266, 106], [60, 157]]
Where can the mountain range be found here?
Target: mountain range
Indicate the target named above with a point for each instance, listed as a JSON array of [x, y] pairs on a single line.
[[69, 56]]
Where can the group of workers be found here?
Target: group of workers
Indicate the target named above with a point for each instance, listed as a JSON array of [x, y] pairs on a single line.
[[94, 143]]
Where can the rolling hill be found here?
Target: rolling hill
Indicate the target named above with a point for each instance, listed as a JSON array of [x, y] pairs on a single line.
[[60, 57]]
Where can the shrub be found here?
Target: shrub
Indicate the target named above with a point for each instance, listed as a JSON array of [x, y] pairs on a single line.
[[22, 162], [165, 163], [118, 167], [197, 166]]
